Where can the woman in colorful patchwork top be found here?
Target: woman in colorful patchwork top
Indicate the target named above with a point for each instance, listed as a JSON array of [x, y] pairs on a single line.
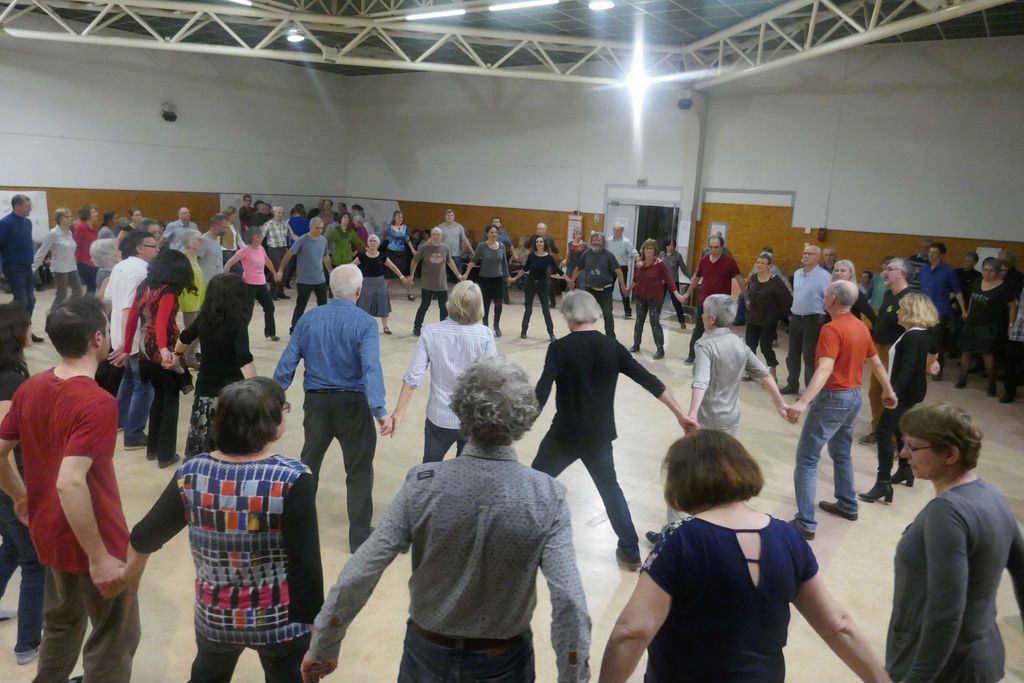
[[712, 602], [252, 524]]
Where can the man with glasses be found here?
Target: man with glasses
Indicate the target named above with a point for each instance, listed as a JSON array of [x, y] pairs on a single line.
[[134, 396], [806, 317], [715, 275], [832, 400], [886, 331]]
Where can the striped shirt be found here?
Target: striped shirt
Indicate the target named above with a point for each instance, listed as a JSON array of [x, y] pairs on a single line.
[[448, 347]]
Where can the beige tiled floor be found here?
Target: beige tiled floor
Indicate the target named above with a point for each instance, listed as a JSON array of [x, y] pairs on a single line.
[[855, 558]]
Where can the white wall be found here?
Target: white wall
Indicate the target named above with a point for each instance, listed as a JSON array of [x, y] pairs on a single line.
[[84, 116], [505, 142], [923, 138]]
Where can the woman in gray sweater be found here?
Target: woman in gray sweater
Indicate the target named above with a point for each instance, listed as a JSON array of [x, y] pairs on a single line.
[[951, 557]]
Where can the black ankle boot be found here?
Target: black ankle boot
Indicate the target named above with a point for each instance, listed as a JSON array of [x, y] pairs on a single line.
[[881, 489], [991, 388], [904, 475], [1009, 396]]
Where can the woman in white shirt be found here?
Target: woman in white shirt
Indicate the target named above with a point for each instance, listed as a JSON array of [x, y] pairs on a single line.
[[59, 243]]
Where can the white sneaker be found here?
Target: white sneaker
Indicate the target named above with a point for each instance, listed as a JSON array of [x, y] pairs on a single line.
[[27, 656]]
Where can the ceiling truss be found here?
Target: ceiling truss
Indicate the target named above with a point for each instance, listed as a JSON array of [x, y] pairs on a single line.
[[374, 34]]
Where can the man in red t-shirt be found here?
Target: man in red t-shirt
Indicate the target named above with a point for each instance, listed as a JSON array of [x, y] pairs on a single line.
[[834, 397], [67, 427], [715, 274]]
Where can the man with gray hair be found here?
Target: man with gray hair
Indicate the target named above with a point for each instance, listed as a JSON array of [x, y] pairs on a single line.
[[175, 230], [834, 399], [885, 331], [585, 366], [625, 253], [601, 270], [275, 241], [17, 252], [807, 315], [344, 386], [209, 256]]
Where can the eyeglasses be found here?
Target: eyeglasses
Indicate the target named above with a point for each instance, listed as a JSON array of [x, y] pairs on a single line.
[[151, 246], [908, 447], [286, 408]]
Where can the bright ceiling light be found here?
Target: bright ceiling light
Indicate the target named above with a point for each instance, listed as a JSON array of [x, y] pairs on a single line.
[[521, 5], [247, 3], [435, 15], [598, 5], [294, 36]]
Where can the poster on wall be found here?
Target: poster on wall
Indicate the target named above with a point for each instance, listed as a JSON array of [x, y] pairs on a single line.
[[575, 223], [40, 215]]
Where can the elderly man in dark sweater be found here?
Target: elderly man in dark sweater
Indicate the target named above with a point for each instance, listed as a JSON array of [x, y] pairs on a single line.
[[17, 251], [585, 365]]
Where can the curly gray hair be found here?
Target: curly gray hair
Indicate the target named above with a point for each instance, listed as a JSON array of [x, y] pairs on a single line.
[[495, 402], [105, 253]]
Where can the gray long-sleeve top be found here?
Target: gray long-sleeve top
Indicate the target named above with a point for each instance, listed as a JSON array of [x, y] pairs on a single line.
[[948, 566], [492, 262], [60, 245], [480, 526]]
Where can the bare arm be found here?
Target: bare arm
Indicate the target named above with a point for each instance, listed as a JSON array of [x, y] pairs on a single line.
[[286, 259], [821, 375], [634, 630], [76, 501], [773, 391], [231, 261], [248, 370], [11, 482], [688, 424], [837, 628], [696, 398], [403, 403]]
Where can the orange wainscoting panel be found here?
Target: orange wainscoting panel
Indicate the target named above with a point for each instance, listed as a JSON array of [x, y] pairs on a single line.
[[162, 206]]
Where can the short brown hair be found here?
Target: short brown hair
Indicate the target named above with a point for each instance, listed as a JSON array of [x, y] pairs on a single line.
[[248, 414], [707, 469], [944, 425], [85, 211]]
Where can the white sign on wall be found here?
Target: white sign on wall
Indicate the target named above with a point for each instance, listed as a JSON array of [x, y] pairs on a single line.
[[40, 215]]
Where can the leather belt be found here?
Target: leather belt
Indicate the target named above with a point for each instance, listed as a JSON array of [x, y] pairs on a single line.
[[333, 391], [492, 646]]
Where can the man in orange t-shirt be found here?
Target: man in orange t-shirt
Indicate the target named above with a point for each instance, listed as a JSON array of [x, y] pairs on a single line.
[[834, 398]]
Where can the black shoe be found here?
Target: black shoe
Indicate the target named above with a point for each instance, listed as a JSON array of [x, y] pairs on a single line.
[[991, 389], [833, 509], [387, 331], [282, 295], [551, 336], [522, 336], [273, 337], [37, 339], [164, 464], [809, 535], [790, 389], [634, 348], [880, 490], [653, 537], [151, 455], [659, 354], [135, 445], [904, 475], [416, 332], [688, 361], [628, 316], [960, 383], [1008, 397], [497, 331], [628, 563], [938, 377]]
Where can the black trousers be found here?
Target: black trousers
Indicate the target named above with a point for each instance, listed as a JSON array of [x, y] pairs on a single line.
[[162, 438], [261, 293], [425, 296], [763, 335], [888, 427], [302, 298], [344, 416], [276, 255], [643, 308], [215, 662], [87, 274], [676, 304], [539, 290], [1014, 361], [493, 291], [803, 339], [604, 300], [698, 332]]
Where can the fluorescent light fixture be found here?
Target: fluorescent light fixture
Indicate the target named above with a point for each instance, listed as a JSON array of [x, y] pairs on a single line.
[[521, 5], [598, 5], [247, 3], [435, 15], [294, 36]]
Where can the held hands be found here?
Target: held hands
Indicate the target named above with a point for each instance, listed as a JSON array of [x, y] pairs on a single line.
[[396, 419], [118, 357], [167, 359], [313, 671], [889, 399], [934, 368], [386, 425], [794, 411], [689, 424], [277, 275], [783, 409], [106, 574]]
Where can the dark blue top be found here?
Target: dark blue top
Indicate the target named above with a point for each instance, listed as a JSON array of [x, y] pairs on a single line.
[[299, 227], [503, 237], [341, 349], [540, 267], [721, 627], [16, 240], [938, 283]]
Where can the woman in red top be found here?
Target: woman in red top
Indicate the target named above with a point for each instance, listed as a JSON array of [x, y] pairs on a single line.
[[85, 235], [650, 281], [156, 310]]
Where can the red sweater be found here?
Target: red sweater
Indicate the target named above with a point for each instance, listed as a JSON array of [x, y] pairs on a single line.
[[85, 235], [650, 282]]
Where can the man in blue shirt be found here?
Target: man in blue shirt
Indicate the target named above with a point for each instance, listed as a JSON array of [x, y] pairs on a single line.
[[807, 317], [503, 236], [939, 282], [17, 251], [344, 386]]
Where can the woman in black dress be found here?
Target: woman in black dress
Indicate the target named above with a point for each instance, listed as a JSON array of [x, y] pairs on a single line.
[[910, 357], [374, 298], [539, 268], [845, 270], [222, 329], [984, 321]]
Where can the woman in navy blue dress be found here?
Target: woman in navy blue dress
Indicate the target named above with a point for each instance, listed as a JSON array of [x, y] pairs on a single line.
[[712, 601]]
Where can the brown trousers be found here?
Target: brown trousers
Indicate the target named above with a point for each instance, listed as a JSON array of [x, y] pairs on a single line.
[[875, 389], [68, 601]]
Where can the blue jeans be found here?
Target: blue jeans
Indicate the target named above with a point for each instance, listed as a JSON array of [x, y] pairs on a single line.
[[437, 441], [23, 285], [134, 397], [17, 551], [426, 662], [829, 420], [554, 455]]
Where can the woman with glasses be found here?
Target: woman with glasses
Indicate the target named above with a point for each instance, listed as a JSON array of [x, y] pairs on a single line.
[[59, 245], [252, 523], [950, 559]]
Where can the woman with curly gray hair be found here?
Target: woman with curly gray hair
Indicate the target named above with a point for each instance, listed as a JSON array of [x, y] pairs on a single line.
[[479, 527]]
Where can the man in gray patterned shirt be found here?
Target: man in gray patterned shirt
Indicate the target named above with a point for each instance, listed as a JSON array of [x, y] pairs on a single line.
[[479, 526]]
